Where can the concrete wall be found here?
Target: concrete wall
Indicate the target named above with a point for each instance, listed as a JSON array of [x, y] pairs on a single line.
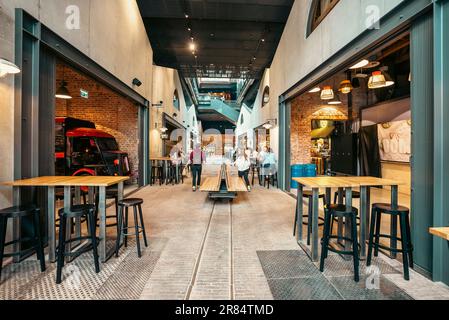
[[166, 81], [297, 55], [257, 115], [111, 33]]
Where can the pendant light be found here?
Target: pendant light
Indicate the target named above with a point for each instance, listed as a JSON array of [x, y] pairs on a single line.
[[388, 81], [377, 80], [335, 102], [360, 65], [7, 67], [315, 90], [346, 87], [63, 92], [327, 93]]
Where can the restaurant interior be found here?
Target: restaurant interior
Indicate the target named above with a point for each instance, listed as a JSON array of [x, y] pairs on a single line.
[[358, 123]]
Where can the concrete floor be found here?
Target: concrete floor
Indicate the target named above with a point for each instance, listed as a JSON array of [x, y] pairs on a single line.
[[198, 250]]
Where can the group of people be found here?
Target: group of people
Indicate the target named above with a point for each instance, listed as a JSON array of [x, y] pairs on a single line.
[[244, 161], [247, 159]]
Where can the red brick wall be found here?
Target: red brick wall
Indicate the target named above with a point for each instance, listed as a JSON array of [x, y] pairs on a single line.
[[303, 108], [110, 112]]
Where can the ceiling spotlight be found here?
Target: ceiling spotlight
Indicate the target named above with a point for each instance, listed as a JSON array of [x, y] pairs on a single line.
[[315, 90], [189, 29], [254, 58], [192, 46], [263, 40], [360, 65], [186, 15]]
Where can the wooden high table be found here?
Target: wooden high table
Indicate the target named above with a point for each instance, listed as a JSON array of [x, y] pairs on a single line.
[[68, 182], [347, 184]]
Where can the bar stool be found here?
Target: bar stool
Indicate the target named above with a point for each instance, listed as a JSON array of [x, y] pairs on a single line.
[[406, 250], [36, 240], [270, 175], [340, 211], [59, 196], [173, 173], [111, 194], [157, 172], [254, 170], [355, 195], [124, 206], [79, 211], [309, 195]]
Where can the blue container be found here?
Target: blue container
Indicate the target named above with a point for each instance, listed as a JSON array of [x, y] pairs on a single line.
[[310, 170], [298, 171]]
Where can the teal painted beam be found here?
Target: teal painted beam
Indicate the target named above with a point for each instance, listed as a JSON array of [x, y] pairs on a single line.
[[422, 97], [441, 138]]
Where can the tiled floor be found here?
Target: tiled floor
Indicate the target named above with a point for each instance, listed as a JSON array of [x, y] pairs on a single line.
[[205, 250]]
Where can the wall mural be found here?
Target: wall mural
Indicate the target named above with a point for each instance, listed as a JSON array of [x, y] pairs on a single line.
[[395, 141]]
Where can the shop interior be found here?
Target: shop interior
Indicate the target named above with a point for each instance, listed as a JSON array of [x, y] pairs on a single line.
[[96, 128], [358, 122]]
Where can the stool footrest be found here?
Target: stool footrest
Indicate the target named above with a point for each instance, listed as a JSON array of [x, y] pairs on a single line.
[[306, 223], [80, 239], [20, 241], [340, 251], [23, 252], [381, 246]]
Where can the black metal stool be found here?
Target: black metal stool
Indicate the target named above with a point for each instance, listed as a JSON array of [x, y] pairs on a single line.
[[271, 177], [59, 196], [36, 240], [157, 172], [309, 195], [124, 206], [79, 211], [355, 195], [375, 234], [340, 211], [111, 193]]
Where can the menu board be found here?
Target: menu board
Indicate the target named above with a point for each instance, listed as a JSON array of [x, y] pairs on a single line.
[[395, 141]]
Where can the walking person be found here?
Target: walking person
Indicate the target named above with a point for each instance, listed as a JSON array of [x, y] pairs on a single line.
[[243, 165], [197, 158]]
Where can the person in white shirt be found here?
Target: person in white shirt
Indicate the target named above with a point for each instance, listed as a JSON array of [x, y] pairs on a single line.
[[269, 162], [243, 165]]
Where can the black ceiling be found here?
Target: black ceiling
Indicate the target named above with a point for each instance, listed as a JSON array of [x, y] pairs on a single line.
[[227, 34]]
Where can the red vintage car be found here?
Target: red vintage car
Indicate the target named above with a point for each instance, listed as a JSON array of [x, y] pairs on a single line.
[[81, 149]]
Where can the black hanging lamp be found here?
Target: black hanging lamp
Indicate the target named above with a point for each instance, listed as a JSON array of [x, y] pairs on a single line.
[[63, 92]]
